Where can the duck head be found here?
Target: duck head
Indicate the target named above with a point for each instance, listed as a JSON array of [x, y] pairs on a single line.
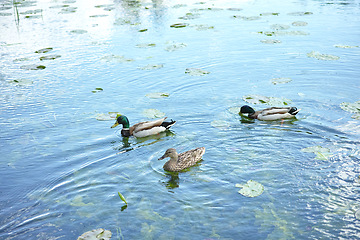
[[247, 109], [121, 119], [171, 152]]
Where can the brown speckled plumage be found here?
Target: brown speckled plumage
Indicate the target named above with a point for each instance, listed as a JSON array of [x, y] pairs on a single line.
[[183, 160]]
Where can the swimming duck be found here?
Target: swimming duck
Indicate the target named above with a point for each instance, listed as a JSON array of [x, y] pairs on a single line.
[[183, 160], [268, 114], [142, 129]]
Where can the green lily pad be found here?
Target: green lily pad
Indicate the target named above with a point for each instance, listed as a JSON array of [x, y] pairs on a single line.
[[172, 46], [157, 95], [221, 124], [270, 41], [78, 31], [320, 56], [153, 113], [44, 50], [259, 99], [280, 80], [321, 153], [345, 46], [279, 26], [116, 58], [356, 116], [96, 234], [145, 45], [357, 214], [98, 15], [202, 27], [251, 18], [351, 107], [179, 25], [196, 72], [299, 23], [143, 30], [107, 116], [251, 188], [269, 14], [97, 90], [152, 66], [21, 82], [33, 67], [49, 57], [300, 13]]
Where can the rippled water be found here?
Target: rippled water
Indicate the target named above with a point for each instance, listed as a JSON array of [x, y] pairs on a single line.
[[61, 169]]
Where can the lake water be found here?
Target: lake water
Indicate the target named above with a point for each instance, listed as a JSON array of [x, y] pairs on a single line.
[[66, 64]]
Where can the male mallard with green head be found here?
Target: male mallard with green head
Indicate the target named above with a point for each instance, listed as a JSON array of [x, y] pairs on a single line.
[[269, 114], [183, 160], [142, 129]]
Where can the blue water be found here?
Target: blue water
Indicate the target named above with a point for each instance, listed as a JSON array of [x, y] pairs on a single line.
[[61, 168]]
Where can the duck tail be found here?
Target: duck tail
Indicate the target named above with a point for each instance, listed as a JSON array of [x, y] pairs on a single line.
[[294, 111], [168, 125]]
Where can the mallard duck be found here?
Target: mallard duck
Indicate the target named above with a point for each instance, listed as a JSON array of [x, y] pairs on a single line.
[[183, 160], [142, 129], [268, 114]]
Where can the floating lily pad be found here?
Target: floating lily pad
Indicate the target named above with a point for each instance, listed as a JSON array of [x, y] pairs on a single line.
[[202, 27], [33, 16], [153, 113], [68, 10], [234, 110], [49, 57], [300, 13], [33, 67], [251, 18], [221, 124], [78, 31], [259, 99], [143, 30], [320, 56], [345, 46], [270, 14], [357, 214], [107, 116], [299, 23], [356, 116], [98, 15], [21, 59], [322, 153], [189, 16], [145, 45], [44, 50], [172, 46], [179, 25], [251, 188], [280, 80], [21, 82], [116, 58], [351, 107], [97, 234], [157, 95], [270, 41], [152, 66], [279, 26], [196, 72], [234, 9], [97, 90]]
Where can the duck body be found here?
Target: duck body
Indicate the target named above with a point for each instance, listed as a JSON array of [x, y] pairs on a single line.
[[183, 160], [142, 129], [270, 114]]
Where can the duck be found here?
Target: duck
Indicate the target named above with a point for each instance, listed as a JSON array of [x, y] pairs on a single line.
[[142, 129], [183, 160], [269, 114]]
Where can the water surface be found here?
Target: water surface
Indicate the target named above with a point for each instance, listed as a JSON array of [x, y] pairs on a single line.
[[64, 64]]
